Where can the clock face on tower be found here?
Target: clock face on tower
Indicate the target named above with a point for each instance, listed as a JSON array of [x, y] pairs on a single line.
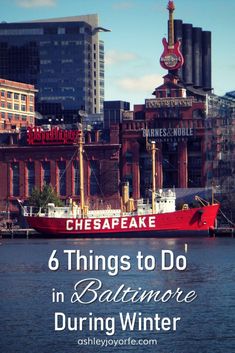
[[170, 60]]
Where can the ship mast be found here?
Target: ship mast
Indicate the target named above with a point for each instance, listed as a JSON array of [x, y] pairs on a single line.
[[81, 185], [153, 153], [151, 147], [81, 114]]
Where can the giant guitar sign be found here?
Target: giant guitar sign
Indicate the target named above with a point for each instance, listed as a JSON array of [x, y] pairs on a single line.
[[171, 58]]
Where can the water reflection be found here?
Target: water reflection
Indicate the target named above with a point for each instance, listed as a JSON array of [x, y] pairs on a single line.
[[27, 310]]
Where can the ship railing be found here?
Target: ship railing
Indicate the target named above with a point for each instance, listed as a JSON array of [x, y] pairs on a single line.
[[167, 193], [64, 212], [34, 211], [104, 213], [143, 201], [55, 212], [104, 205]]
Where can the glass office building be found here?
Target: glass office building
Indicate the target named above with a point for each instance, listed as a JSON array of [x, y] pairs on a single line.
[[62, 57]]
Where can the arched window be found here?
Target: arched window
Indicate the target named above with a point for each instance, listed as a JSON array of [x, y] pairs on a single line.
[[129, 157], [198, 114]]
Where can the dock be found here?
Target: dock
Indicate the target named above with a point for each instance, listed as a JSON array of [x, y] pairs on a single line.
[[18, 233], [29, 233], [225, 232]]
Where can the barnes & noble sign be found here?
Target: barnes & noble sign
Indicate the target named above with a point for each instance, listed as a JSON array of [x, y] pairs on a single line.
[[169, 134]]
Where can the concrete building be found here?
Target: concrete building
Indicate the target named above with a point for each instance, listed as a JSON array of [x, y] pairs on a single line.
[[114, 112], [62, 57]]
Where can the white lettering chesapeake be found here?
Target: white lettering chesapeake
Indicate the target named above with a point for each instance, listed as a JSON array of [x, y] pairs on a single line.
[[78, 224], [142, 222], [152, 223], [106, 224], [69, 224], [96, 224], [124, 223], [133, 223], [115, 222], [87, 224]]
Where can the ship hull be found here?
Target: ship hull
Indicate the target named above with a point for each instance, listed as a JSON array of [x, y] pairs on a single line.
[[192, 222]]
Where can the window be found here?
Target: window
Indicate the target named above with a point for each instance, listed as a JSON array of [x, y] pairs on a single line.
[[9, 94], [16, 106], [23, 97], [43, 43], [61, 30], [21, 31], [76, 178], [94, 177], [30, 177], [2, 93], [198, 114], [128, 178], [44, 62], [15, 179], [195, 162], [66, 61], [31, 99], [62, 178], [129, 157], [195, 146], [168, 92], [31, 109], [50, 30], [16, 96], [46, 169], [23, 108], [9, 106]]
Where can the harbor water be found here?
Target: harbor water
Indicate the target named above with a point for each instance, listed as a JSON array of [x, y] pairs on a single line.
[[38, 279]]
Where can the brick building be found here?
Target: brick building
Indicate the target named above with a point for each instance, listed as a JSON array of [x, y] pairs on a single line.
[[16, 105], [176, 120], [29, 161]]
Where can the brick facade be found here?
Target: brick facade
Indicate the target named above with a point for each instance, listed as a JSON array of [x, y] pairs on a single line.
[[16, 105]]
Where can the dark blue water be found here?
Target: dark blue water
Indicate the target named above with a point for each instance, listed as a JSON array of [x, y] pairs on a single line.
[[27, 311]]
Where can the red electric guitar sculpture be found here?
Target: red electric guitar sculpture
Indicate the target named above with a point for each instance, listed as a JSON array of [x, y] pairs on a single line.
[[171, 58]]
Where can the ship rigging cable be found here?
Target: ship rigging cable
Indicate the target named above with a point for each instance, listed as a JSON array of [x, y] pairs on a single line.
[[55, 187], [96, 179]]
